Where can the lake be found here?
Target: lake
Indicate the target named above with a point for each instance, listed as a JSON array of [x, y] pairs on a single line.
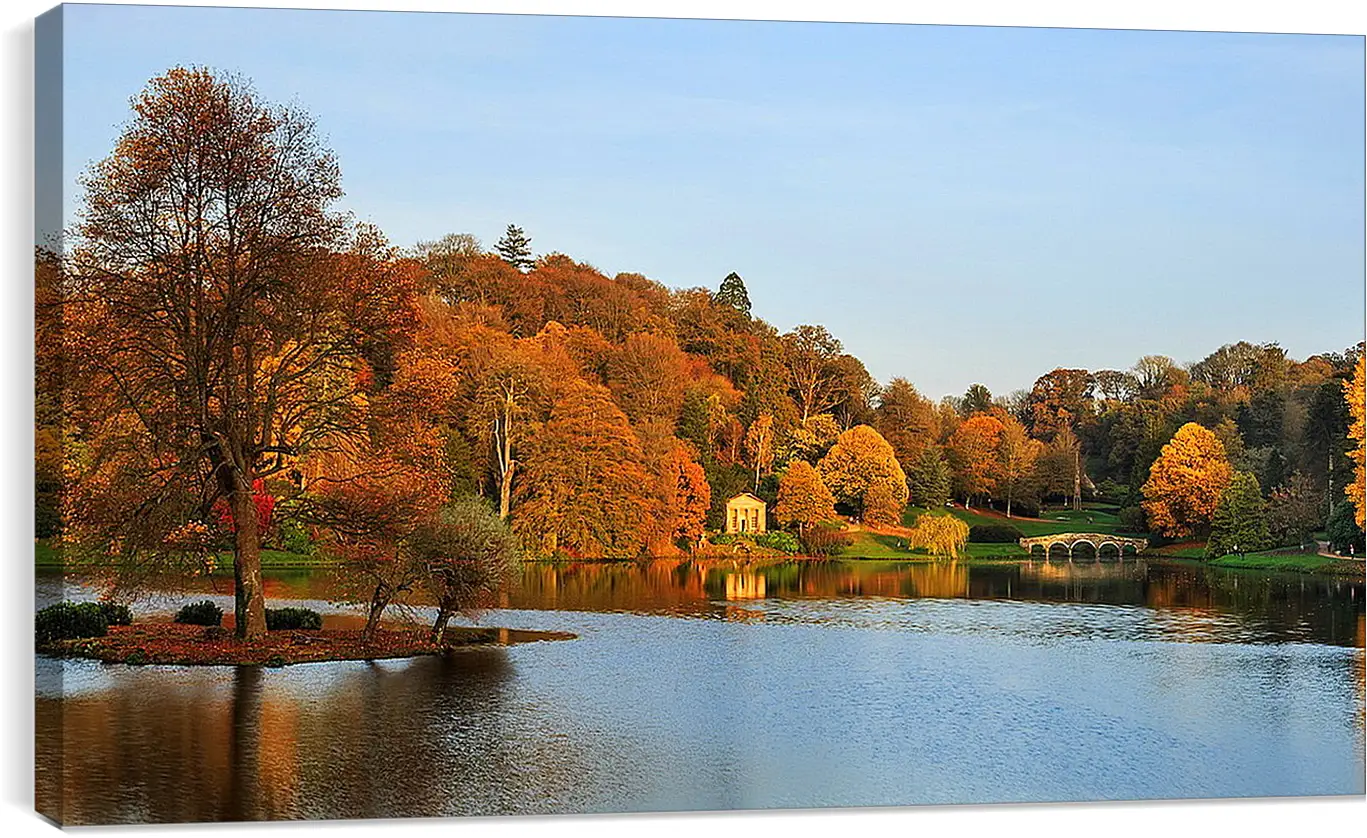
[[724, 685]]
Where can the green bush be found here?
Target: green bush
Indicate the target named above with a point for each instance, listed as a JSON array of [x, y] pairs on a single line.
[[68, 621], [200, 614], [778, 540], [994, 534], [294, 538], [823, 540], [116, 615], [278, 619], [1133, 519], [137, 657]]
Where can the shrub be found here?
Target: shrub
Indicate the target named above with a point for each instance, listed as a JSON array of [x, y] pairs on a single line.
[[823, 540], [778, 540], [994, 534], [294, 538], [68, 621], [1133, 519], [116, 615], [276, 661], [200, 614], [137, 657], [278, 619]]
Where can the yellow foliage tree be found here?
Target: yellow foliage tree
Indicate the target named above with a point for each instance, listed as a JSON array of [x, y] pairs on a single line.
[[803, 498], [860, 460], [1186, 482], [1353, 392], [941, 535]]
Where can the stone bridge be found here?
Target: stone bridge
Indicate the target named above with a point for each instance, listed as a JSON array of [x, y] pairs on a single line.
[[1097, 541]]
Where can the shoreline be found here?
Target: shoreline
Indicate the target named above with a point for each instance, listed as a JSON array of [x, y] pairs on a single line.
[[155, 643], [1304, 563]]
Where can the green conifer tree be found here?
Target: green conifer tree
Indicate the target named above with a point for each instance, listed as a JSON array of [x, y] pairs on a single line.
[[732, 293], [928, 479], [1240, 523], [515, 248]]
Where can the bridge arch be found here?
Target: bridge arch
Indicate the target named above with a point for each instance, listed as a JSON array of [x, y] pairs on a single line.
[[1068, 542]]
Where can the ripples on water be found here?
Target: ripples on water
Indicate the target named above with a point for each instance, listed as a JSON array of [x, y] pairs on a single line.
[[808, 686]]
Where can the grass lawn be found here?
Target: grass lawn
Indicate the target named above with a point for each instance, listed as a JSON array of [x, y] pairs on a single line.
[[1102, 520], [1290, 561], [868, 545]]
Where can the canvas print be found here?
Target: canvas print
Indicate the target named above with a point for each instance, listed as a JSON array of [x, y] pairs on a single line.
[[469, 414]]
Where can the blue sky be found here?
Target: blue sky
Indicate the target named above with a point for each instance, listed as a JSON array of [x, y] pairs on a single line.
[[957, 204]]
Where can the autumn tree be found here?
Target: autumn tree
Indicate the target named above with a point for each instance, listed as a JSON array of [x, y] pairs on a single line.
[[648, 376], [1059, 467], [467, 554], [811, 439], [1357, 432], [929, 479], [1240, 521], [586, 489], [803, 499], [687, 496], [510, 384], [759, 444], [732, 294], [939, 535], [368, 507], [860, 460], [1060, 398], [217, 312], [973, 456], [515, 248], [906, 419], [1186, 482], [811, 353], [1156, 376], [1017, 453]]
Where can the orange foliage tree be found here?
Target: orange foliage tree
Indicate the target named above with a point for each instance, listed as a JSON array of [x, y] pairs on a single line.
[[1017, 453], [1186, 482], [860, 460], [972, 453], [803, 499], [687, 497], [586, 489], [647, 377], [1357, 432], [217, 320]]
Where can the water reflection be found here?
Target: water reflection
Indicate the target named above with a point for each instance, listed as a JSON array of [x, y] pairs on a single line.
[[784, 684], [1268, 607]]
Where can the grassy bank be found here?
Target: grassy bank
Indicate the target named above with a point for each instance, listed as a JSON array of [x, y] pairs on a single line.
[[871, 545], [1291, 562]]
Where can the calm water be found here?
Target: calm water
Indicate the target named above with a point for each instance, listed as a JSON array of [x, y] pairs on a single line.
[[726, 686]]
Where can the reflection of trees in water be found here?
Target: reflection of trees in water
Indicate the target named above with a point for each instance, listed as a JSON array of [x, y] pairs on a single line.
[[429, 736], [1301, 607]]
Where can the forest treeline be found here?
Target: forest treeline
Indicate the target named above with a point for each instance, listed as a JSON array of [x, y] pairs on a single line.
[[214, 340]]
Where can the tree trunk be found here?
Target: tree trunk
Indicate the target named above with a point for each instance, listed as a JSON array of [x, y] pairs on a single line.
[[249, 599], [378, 602], [439, 627], [506, 462], [1008, 504]]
